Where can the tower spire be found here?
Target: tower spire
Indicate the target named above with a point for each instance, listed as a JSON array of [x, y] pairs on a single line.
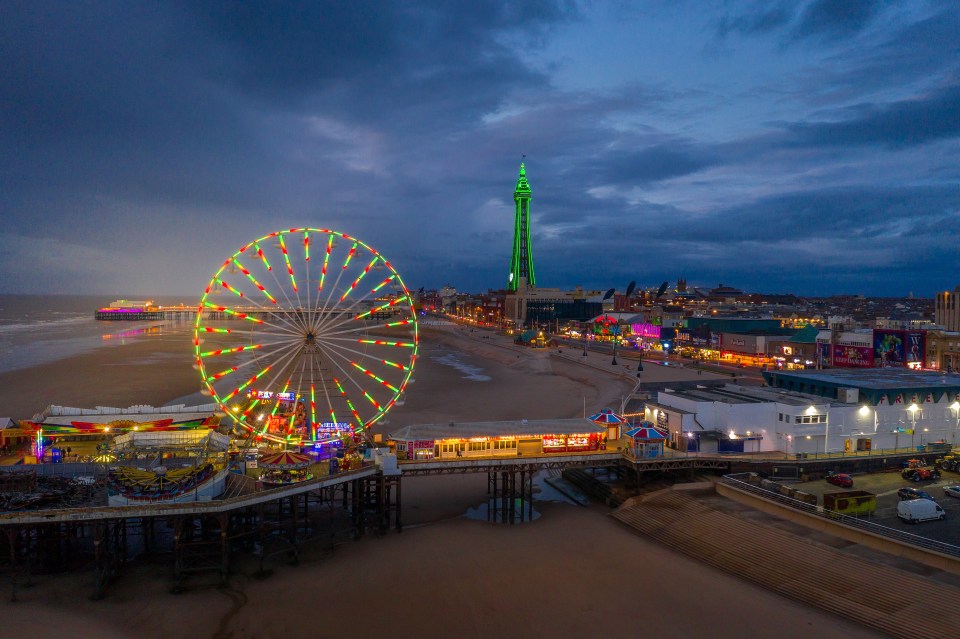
[[521, 262]]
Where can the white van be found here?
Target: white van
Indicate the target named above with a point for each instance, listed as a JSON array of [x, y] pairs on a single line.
[[914, 510]]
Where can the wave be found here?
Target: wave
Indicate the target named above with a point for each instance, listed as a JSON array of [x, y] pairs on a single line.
[[44, 324], [470, 372]]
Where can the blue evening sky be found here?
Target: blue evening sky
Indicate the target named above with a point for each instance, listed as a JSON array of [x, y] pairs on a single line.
[[778, 146]]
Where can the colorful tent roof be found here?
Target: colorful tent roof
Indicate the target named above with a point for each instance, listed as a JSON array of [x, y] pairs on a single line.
[[607, 416], [644, 432], [284, 460]]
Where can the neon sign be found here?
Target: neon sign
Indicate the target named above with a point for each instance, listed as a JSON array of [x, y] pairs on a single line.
[[280, 397]]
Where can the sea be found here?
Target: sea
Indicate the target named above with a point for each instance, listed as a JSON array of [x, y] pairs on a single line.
[[38, 329]]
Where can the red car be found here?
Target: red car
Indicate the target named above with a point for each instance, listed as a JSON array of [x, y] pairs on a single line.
[[840, 479]]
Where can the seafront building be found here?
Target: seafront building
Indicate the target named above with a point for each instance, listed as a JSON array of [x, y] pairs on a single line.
[[812, 412], [947, 309], [424, 442]]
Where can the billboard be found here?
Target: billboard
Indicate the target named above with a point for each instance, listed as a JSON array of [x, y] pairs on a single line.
[[650, 331], [852, 356], [915, 348], [888, 348]]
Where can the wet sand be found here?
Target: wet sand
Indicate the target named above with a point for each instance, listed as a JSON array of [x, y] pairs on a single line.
[[142, 370], [571, 573]]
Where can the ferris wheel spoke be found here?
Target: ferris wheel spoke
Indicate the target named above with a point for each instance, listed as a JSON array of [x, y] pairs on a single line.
[[286, 259], [336, 283], [332, 324], [378, 342], [234, 369], [326, 393], [292, 329], [229, 311], [283, 366], [278, 355], [263, 257], [376, 358], [306, 260], [294, 337], [374, 377], [254, 281], [236, 391], [350, 406], [373, 402], [359, 279], [228, 351], [323, 272], [366, 328], [275, 313], [283, 290]]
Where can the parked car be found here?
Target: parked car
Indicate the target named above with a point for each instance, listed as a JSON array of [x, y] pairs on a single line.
[[839, 479], [912, 493], [916, 510], [953, 491]]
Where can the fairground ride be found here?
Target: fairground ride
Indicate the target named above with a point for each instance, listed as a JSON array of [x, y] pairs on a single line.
[[306, 335]]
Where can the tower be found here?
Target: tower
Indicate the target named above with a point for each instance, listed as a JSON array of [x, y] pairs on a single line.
[[521, 263]]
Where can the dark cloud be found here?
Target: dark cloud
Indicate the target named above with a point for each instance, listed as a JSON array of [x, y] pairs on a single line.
[[144, 142], [818, 19], [760, 18], [836, 18], [909, 122]]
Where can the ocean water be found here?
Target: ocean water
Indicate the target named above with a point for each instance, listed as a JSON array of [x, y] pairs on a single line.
[[37, 329]]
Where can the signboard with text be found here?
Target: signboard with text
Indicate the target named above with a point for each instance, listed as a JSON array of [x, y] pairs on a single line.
[[852, 356], [915, 348]]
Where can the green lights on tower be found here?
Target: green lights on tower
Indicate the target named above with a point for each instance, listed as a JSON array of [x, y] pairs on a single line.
[[521, 262]]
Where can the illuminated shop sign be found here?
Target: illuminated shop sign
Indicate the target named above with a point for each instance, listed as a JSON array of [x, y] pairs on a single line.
[[280, 397]]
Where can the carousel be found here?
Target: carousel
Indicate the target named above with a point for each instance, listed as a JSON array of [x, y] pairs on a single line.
[[284, 467]]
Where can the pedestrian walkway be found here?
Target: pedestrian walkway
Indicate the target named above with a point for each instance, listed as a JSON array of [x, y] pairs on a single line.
[[894, 601]]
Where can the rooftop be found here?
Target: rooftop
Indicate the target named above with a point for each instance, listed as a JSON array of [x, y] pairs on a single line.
[[873, 378], [735, 394]]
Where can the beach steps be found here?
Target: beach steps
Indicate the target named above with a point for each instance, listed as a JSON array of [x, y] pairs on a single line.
[[592, 486], [894, 601]]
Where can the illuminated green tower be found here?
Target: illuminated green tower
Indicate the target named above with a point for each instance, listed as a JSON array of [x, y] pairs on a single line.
[[521, 263]]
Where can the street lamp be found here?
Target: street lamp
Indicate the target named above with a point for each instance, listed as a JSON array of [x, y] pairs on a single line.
[[585, 340], [616, 336], [913, 422]]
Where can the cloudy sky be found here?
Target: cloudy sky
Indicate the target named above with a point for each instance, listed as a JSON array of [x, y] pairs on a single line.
[[809, 147]]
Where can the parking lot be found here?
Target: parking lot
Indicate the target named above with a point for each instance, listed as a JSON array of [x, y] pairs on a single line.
[[885, 485]]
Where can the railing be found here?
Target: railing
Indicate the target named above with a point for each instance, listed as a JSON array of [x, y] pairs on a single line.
[[70, 469], [835, 517]]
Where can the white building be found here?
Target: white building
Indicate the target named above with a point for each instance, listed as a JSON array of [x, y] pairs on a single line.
[[736, 418]]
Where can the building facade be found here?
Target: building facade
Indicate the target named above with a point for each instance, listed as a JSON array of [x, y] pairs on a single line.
[[946, 309]]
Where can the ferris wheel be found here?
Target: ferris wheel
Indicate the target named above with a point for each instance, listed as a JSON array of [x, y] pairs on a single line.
[[306, 335]]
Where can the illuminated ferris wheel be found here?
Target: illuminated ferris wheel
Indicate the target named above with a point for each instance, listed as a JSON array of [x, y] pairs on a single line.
[[306, 335]]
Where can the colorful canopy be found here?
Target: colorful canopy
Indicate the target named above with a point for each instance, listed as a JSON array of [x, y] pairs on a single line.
[[644, 433], [284, 460], [607, 416]]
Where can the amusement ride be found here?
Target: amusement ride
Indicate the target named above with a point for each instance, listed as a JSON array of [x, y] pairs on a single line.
[[305, 336]]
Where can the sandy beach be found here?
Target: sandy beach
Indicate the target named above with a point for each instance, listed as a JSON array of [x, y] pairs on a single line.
[[143, 370], [571, 573]]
